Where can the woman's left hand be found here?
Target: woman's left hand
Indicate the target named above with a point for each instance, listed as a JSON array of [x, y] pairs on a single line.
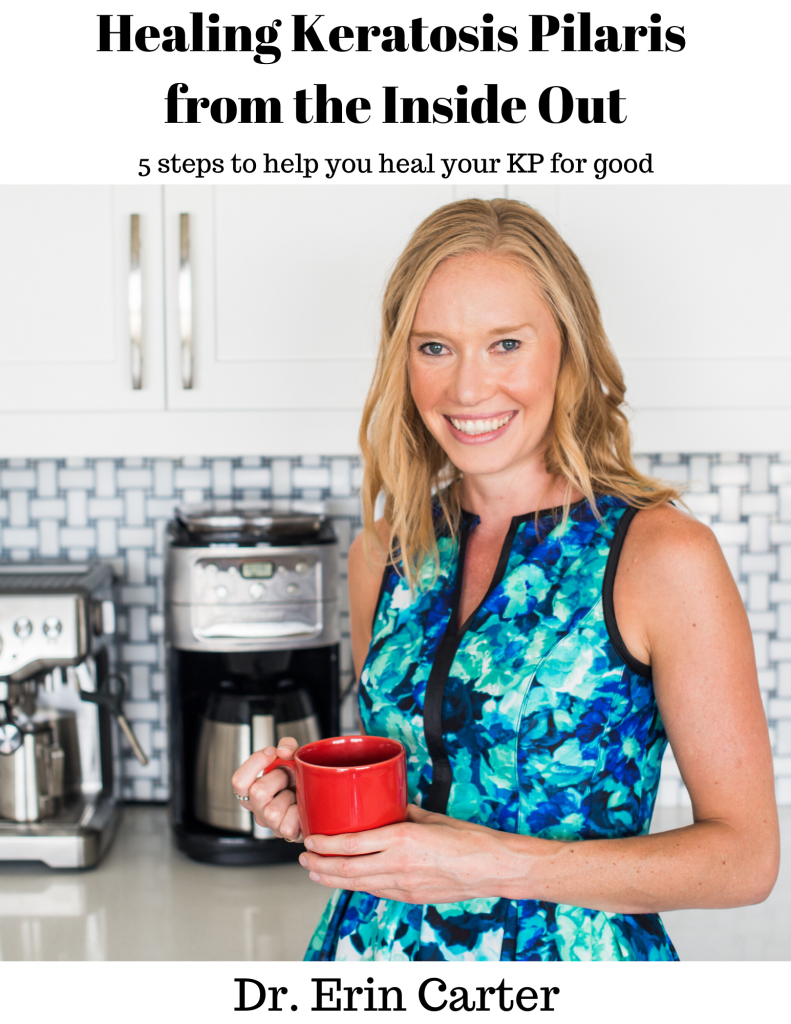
[[430, 858]]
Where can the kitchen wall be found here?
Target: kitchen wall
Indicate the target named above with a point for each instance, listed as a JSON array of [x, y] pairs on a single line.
[[117, 510]]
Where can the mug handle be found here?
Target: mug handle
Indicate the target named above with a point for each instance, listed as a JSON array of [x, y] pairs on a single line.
[[279, 762], [284, 762]]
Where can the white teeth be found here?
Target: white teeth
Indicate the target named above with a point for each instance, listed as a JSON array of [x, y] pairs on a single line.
[[475, 427]]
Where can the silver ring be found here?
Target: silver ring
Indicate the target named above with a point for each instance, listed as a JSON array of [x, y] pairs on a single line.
[[244, 799]]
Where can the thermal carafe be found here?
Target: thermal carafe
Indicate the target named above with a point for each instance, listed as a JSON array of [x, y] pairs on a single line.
[[31, 778], [234, 725]]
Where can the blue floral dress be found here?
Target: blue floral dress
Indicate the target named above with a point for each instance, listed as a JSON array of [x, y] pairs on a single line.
[[530, 717]]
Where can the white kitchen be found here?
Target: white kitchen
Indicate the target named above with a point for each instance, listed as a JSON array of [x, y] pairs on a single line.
[[167, 347]]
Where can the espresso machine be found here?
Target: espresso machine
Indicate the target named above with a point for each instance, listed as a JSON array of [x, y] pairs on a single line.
[[252, 626], [58, 696]]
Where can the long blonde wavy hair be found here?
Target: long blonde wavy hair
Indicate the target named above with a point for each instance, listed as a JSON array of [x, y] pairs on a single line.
[[590, 443]]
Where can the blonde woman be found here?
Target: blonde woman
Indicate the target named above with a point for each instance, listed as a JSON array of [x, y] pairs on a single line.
[[533, 620]]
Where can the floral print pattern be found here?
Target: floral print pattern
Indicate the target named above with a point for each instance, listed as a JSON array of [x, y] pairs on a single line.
[[548, 732]]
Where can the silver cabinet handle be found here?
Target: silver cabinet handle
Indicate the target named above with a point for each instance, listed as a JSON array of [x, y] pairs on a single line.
[[135, 302], [185, 305]]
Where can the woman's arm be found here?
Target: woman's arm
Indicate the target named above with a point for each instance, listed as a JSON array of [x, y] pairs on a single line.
[[365, 580], [677, 608]]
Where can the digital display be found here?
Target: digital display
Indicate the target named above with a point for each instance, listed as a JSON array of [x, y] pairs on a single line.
[[258, 570]]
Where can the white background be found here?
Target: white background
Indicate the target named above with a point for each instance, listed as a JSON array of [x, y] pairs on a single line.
[[127, 993], [715, 112]]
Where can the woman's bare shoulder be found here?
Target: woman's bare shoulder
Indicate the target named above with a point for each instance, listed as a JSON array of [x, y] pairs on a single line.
[[673, 589], [673, 585], [664, 540]]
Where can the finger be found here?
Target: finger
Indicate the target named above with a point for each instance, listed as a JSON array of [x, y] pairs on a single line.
[[375, 840], [245, 774], [274, 813], [266, 788], [287, 747], [261, 797], [290, 827], [376, 884], [346, 868]]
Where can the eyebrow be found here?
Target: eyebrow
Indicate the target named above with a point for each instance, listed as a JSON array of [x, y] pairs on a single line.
[[494, 331]]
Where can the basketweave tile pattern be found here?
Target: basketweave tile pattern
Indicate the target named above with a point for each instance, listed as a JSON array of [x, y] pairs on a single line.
[[117, 510]]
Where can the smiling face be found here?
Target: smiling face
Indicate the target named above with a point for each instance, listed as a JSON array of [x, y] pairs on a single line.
[[484, 357]]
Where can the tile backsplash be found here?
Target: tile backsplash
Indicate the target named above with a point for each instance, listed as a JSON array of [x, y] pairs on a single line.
[[117, 510]]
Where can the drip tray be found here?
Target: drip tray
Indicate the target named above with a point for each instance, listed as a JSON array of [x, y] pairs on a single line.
[[77, 837]]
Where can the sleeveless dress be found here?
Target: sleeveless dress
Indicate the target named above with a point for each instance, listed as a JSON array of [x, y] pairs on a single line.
[[531, 717]]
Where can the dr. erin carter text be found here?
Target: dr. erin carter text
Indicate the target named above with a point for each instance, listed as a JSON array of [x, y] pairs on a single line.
[[333, 995]]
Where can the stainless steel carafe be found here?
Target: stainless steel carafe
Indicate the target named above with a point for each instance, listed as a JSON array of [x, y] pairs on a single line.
[[233, 726], [32, 777]]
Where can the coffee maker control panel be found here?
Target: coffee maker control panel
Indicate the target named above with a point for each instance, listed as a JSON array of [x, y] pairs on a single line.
[[38, 631], [232, 597], [245, 580]]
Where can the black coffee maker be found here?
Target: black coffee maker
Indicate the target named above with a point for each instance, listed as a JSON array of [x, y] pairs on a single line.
[[253, 654]]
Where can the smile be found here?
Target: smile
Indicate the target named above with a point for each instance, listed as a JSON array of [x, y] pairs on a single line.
[[474, 428]]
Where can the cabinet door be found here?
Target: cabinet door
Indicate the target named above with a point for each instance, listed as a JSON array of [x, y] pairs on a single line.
[[286, 285], [65, 262]]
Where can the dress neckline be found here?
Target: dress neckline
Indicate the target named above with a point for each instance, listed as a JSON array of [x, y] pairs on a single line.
[[543, 513]]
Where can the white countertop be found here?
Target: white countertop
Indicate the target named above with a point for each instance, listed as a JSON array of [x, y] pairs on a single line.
[[148, 901]]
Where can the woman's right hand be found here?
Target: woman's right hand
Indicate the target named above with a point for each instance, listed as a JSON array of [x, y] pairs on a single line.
[[272, 796]]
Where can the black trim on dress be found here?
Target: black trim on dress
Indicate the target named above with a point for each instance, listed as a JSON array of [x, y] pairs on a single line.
[[470, 518], [441, 771], [607, 596], [556, 512], [385, 573]]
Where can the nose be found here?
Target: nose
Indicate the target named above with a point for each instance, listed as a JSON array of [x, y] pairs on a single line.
[[469, 385]]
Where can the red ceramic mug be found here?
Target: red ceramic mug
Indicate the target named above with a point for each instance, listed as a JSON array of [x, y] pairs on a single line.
[[348, 784]]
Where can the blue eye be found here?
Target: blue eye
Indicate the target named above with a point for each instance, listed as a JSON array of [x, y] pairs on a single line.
[[432, 348], [510, 345]]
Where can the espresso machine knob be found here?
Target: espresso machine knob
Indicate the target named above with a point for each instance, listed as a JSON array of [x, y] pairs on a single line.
[[10, 734], [52, 627], [23, 627], [10, 738]]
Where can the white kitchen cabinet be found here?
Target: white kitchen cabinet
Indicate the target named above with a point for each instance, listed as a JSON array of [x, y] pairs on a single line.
[[286, 285], [65, 341]]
